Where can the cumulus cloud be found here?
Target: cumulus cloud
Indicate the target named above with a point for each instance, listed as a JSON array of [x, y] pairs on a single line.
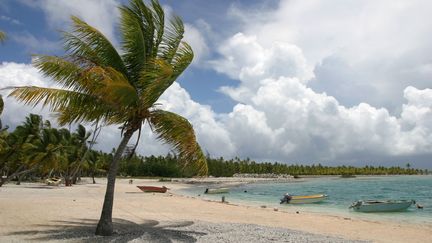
[[196, 40], [379, 47], [280, 117], [283, 120], [16, 74], [101, 14]]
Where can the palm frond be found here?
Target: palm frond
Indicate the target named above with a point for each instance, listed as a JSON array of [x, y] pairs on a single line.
[[162, 75], [106, 83], [172, 38], [71, 104], [156, 79], [159, 23], [182, 59], [142, 28], [89, 40], [178, 132]]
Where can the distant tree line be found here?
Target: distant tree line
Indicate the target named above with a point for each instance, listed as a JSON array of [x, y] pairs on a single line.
[[36, 150], [166, 166]]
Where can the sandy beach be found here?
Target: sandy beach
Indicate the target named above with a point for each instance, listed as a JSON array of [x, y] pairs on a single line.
[[39, 213]]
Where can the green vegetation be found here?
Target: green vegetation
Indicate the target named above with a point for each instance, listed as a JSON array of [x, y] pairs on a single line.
[[166, 166], [103, 85]]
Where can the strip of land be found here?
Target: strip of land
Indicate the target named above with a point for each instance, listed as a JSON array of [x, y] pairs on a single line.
[[36, 212]]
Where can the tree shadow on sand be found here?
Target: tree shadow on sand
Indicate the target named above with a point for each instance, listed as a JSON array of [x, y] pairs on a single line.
[[82, 230]]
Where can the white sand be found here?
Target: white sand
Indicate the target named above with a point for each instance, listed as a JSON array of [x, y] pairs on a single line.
[[39, 213]]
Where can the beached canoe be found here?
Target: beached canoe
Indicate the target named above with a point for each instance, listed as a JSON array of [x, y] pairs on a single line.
[[153, 189], [303, 199], [381, 206], [216, 190]]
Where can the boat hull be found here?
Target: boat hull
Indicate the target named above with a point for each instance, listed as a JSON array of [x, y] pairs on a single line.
[[153, 189], [381, 206], [305, 199], [216, 190]]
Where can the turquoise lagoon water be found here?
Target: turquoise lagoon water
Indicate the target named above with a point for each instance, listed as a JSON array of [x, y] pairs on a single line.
[[341, 191]]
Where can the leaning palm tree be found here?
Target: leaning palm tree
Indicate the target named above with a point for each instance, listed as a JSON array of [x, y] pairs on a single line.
[[101, 84]]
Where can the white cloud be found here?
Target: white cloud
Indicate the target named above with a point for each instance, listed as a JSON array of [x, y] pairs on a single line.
[[283, 120], [379, 46], [10, 20], [15, 74], [198, 43], [102, 14]]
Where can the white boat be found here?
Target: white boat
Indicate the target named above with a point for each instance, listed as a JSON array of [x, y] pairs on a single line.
[[216, 190], [303, 199], [53, 181], [381, 206]]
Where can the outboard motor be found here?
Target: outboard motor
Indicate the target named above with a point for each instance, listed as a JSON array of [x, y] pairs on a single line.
[[286, 199]]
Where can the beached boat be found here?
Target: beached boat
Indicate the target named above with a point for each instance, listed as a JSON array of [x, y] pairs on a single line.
[[53, 181], [153, 189], [216, 190], [381, 206], [303, 199]]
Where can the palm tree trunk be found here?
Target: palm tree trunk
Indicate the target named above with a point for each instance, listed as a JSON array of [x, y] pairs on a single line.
[[105, 226], [95, 135], [17, 173]]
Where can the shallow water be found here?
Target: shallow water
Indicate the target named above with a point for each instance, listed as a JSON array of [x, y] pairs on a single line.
[[342, 192]]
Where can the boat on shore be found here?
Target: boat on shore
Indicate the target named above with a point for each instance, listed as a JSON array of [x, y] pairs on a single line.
[[370, 206], [55, 181], [216, 190], [159, 189], [291, 199]]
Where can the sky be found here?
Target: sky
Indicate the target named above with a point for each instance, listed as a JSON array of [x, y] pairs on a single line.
[[331, 82]]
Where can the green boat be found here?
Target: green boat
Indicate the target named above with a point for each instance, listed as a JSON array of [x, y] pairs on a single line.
[[370, 206]]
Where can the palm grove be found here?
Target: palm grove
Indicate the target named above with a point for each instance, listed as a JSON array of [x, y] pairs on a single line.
[[99, 85]]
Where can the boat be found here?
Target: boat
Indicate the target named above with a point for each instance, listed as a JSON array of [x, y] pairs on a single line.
[[216, 190], [153, 189], [370, 206], [55, 181], [297, 199]]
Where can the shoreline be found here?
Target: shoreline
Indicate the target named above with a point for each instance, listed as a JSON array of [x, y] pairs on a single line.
[[34, 207]]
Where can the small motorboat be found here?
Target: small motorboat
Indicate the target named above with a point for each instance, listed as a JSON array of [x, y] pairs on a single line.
[[291, 199], [153, 189], [216, 190], [370, 206]]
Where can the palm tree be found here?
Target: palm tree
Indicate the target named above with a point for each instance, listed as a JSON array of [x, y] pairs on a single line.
[[80, 139], [102, 84]]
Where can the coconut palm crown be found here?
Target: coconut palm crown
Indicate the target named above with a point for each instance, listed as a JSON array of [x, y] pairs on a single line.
[[99, 83]]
